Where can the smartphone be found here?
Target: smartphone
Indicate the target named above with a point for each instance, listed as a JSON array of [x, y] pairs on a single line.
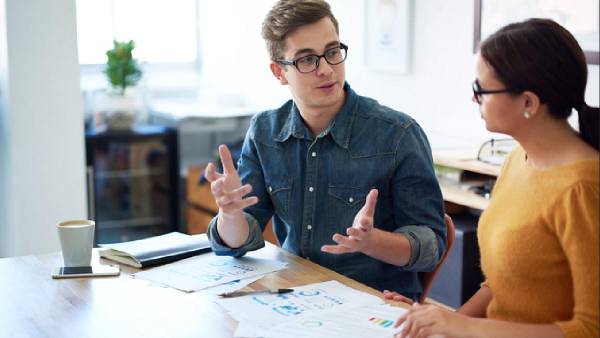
[[85, 271]]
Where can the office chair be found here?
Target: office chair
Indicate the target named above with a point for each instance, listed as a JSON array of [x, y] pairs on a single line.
[[427, 278]]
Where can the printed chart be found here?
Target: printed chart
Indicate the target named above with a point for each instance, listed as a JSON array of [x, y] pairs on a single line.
[[205, 271]]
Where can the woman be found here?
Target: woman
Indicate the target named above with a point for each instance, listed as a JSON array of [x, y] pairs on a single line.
[[539, 236]]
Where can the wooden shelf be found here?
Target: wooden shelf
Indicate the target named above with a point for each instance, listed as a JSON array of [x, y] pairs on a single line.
[[459, 196], [465, 160]]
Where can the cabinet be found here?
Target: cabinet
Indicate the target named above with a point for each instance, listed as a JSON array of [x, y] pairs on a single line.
[[132, 182], [466, 184]]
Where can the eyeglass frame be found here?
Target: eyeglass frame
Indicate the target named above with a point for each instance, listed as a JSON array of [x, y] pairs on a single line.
[[478, 91], [294, 62]]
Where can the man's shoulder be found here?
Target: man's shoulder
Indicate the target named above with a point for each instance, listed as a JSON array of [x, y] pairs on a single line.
[[270, 122], [371, 109]]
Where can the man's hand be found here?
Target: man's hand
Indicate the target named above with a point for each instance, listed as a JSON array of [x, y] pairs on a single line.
[[227, 187], [360, 234]]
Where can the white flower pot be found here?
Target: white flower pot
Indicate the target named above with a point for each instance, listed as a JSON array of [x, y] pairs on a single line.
[[119, 111]]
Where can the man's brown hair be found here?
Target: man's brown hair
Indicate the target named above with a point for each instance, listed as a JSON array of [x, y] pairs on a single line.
[[288, 15]]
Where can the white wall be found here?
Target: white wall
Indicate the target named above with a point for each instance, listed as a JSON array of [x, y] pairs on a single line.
[[437, 91], [42, 166]]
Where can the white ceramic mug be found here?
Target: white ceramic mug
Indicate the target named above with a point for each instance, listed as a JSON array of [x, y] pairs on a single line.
[[76, 240]]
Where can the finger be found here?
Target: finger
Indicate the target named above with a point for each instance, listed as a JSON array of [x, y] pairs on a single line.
[[211, 172], [335, 249], [369, 207], [365, 223], [226, 160], [239, 205], [246, 202], [355, 233], [403, 299], [401, 320], [407, 327], [345, 241], [236, 194], [404, 318]]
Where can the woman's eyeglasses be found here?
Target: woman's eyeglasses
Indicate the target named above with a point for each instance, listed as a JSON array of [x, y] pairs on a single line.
[[478, 92]]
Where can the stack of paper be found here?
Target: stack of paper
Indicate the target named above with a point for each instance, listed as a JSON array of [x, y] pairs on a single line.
[[205, 271], [328, 309]]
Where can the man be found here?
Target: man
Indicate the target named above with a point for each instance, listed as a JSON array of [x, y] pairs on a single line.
[[349, 183]]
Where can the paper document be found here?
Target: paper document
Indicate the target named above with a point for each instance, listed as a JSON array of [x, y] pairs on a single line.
[[205, 271], [367, 321], [231, 286], [261, 312]]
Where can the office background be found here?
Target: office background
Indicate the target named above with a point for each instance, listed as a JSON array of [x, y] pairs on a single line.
[[42, 160]]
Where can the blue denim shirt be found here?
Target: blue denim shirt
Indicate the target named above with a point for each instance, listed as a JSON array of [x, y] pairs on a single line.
[[313, 188]]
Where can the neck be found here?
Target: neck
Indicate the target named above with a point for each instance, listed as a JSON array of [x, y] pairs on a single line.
[[551, 142], [319, 118]]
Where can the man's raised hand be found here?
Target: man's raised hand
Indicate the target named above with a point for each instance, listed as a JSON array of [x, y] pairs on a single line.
[[360, 234], [227, 187]]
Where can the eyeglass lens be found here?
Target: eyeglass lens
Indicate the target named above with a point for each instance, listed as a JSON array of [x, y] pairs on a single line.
[[309, 63]]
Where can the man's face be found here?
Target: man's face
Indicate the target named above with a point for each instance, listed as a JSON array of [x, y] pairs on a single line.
[[323, 87]]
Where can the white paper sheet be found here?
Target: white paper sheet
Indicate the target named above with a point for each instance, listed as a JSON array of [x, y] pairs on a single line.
[[261, 312], [371, 321], [204, 271], [231, 286]]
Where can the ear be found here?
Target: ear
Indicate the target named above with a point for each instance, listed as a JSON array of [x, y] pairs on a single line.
[[532, 102], [279, 72]]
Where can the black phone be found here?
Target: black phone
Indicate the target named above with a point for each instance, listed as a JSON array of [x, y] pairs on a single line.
[[85, 271]]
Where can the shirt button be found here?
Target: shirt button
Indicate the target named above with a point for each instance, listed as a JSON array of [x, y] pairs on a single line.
[[351, 200], [309, 227], [270, 189], [314, 154], [311, 189]]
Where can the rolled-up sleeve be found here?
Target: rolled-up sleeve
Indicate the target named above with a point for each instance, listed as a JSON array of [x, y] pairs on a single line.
[[255, 239], [424, 249]]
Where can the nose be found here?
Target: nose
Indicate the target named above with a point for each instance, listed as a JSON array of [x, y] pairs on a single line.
[[323, 68], [474, 99]]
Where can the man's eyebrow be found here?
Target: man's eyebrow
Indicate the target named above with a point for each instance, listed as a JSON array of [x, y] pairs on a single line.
[[312, 51]]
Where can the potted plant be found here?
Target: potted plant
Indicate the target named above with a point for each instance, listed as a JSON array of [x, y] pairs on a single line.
[[120, 105]]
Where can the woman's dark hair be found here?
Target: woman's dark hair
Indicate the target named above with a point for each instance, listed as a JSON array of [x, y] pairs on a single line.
[[541, 56]]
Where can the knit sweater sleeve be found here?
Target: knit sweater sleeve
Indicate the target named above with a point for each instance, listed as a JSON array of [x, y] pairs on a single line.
[[577, 230]]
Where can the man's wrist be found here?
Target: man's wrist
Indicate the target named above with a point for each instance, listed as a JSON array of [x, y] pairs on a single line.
[[374, 241], [231, 216]]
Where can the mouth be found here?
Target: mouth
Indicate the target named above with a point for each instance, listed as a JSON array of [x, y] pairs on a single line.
[[327, 85]]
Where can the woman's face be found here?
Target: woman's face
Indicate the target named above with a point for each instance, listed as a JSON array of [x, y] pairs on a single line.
[[502, 112]]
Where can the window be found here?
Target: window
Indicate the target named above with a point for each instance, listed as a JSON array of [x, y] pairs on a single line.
[[165, 32]]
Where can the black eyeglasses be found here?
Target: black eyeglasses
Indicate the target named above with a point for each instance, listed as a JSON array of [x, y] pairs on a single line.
[[309, 63], [478, 92]]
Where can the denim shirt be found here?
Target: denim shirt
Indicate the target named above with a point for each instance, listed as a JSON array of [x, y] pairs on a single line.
[[314, 187]]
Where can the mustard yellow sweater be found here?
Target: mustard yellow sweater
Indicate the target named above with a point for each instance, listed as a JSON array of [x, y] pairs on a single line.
[[539, 245]]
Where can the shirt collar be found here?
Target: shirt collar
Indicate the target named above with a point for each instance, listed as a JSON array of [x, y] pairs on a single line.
[[340, 128]]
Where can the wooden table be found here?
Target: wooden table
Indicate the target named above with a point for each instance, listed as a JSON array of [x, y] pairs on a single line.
[[32, 304]]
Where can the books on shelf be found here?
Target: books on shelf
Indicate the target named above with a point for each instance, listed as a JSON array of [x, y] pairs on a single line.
[[156, 250]]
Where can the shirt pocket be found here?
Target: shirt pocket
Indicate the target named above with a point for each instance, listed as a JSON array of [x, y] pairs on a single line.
[[279, 190], [343, 203]]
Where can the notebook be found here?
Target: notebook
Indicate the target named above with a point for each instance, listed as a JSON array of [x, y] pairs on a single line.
[[156, 250]]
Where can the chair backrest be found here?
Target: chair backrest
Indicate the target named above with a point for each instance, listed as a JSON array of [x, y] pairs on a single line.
[[427, 278]]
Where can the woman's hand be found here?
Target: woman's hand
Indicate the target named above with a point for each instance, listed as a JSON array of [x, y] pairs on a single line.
[[395, 296], [423, 321]]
